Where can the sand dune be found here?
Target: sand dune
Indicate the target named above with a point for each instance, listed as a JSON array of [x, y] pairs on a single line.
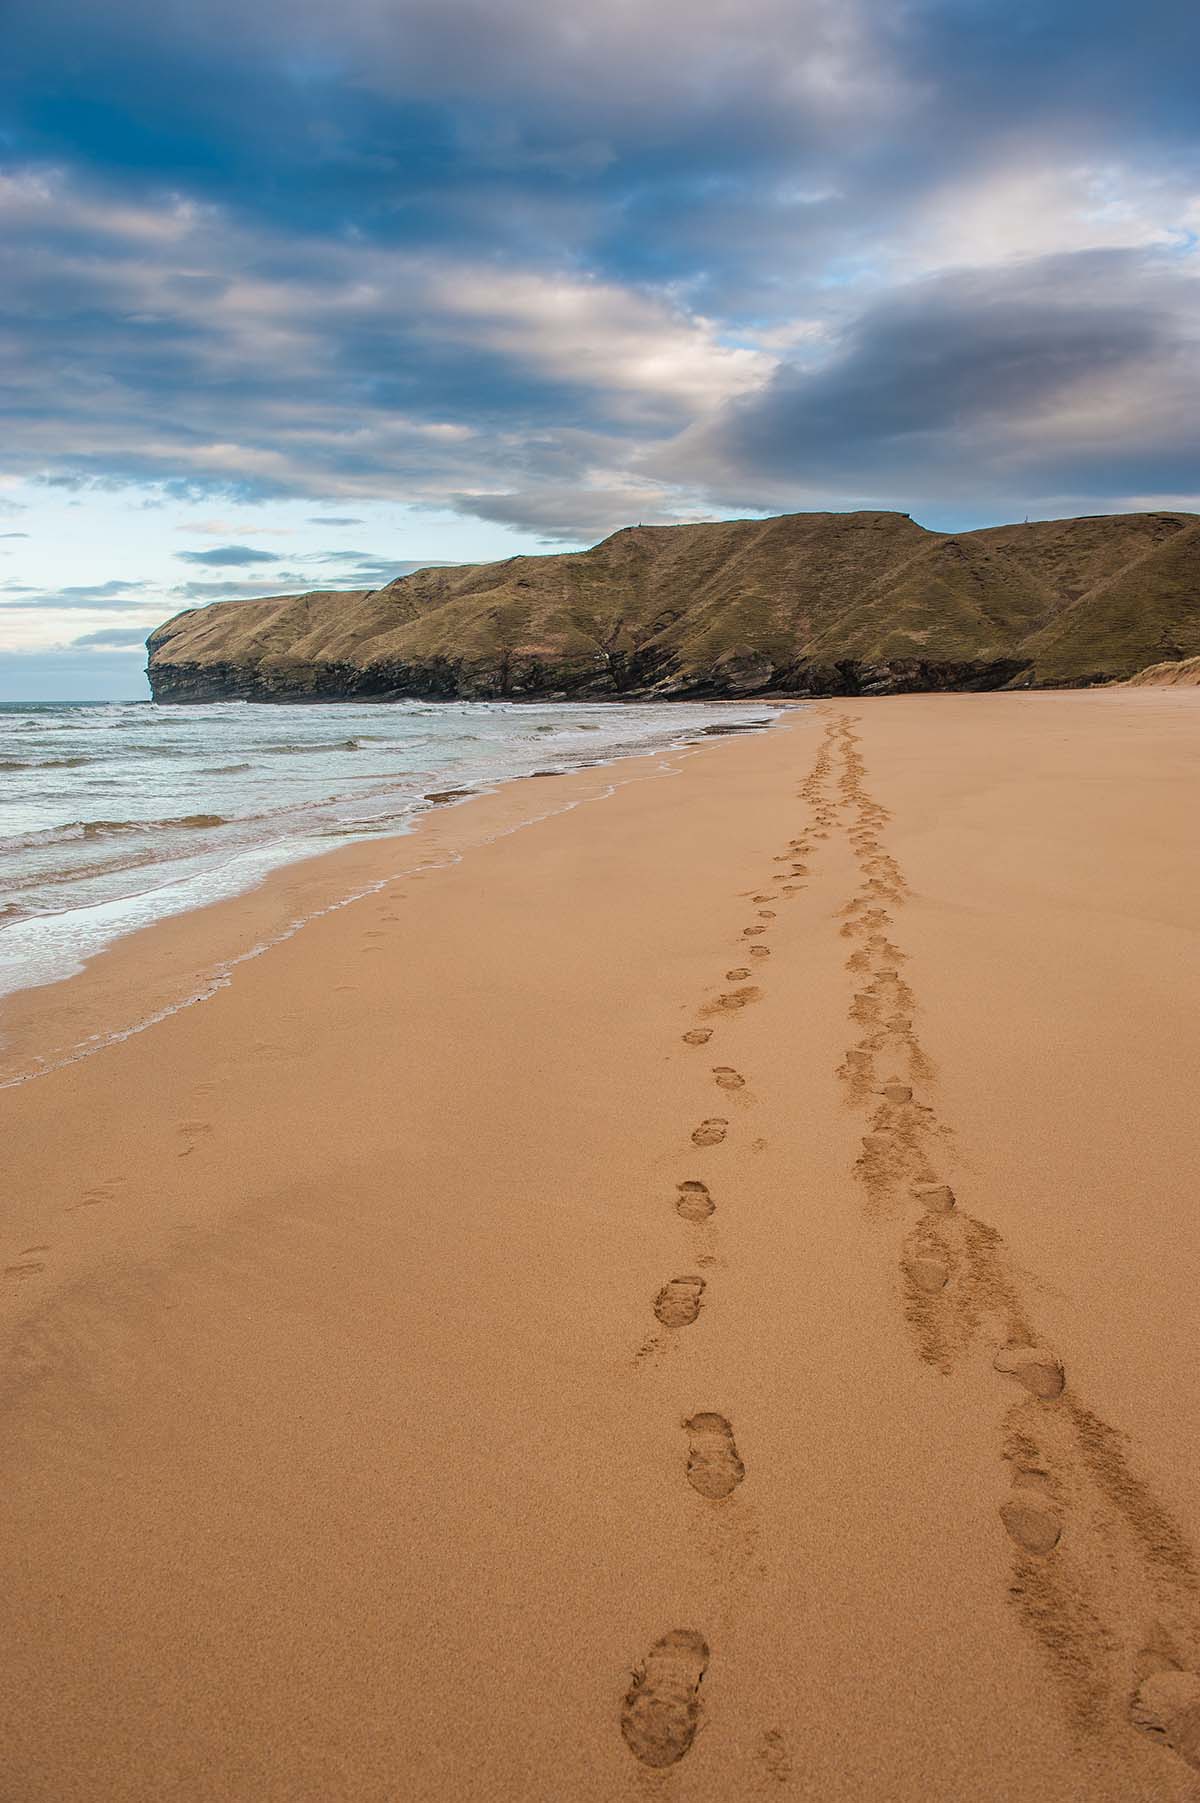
[[694, 1299], [1183, 672]]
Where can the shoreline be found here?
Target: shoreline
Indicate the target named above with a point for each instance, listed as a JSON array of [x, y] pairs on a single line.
[[82, 1007], [524, 1265]]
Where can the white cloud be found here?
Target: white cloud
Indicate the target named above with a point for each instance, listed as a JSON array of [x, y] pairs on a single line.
[[1042, 202]]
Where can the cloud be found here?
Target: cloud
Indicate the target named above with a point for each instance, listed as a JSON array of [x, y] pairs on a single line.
[[384, 570], [561, 272], [228, 554], [14, 535], [287, 582], [354, 570], [131, 636], [555, 513], [102, 595], [1067, 378]]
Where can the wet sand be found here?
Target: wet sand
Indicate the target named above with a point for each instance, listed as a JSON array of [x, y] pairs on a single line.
[[692, 1296]]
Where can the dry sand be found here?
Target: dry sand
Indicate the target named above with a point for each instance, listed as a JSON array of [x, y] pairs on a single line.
[[435, 1327]]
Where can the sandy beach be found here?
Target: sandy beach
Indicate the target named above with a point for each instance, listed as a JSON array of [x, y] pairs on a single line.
[[686, 1289]]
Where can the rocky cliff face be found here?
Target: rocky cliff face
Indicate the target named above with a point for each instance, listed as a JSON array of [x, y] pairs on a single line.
[[817, 604]]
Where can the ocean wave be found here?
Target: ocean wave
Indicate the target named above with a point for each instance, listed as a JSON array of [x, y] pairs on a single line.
[[100, 829], [71, 763], [75, 830], [225, 769], [316, 747]]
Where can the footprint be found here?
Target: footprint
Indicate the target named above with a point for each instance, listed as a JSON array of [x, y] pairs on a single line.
[[1168, 1706], [897, 1092], [1037, 1530], [1029, 1477], [727, 1077], [929, 1272], [735, 976], [760, 951], [694, 1202], [938, 1198], [734, 998], [662, 1706], [774, 1757], [1035, 1367], [29, 1268], [92, 1198], [751, 932], [678, 1302], [709, 1133], [713, 1468], [192, 1131], [765, 913], [698, 1036]]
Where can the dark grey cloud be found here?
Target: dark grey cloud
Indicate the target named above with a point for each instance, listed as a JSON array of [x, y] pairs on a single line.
[[241, 555], [14, 535], [1058, 381], [334, 519]]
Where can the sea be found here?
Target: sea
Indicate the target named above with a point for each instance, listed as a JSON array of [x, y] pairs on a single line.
[[116, 814]]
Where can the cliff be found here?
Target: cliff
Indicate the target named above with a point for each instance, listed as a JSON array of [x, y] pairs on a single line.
[[800, 604]]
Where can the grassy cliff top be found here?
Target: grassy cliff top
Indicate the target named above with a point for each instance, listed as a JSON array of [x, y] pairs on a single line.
[[731, 606]]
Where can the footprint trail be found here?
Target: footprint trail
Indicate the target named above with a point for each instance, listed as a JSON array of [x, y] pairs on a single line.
[[1102, 1576]]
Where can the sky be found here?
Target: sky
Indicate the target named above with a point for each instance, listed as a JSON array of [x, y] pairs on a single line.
[[301, 295]]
